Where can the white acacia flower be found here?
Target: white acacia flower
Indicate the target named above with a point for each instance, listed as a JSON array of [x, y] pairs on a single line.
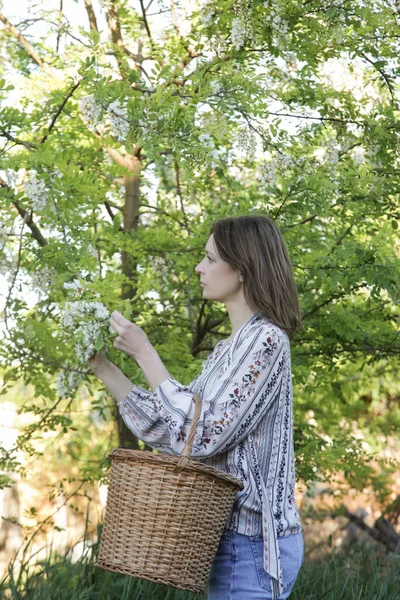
[[74, 285], [215, 159], [42, 280], [206, 140], [267, 173], [238, 33], [208, 13], [358, 155], [88, 320], [216, 87], [118, 118], [247, 141], [68, 382], [90, 111], [219, 45], [332, 154], [36, 190]]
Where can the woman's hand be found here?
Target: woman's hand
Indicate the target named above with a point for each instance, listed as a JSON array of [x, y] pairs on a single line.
[[99, 362], [131, 339]]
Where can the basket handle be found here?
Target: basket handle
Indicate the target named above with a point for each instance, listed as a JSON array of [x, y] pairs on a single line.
[[187, 451]]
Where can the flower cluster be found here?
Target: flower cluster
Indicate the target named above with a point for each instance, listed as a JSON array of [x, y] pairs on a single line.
[[328, 153], [206, 140], [78, 287], [88, 322], [118, 118], [14, 178], [267, 173], [238, 33], [213, 155], [358, 155], [43, 280], [160, 268], [216, 87], [247, 141], [68, 382], [208, 13], [219, 45], [36, 190], [242, 29], [278, 25], [286, 162], [91, 111]]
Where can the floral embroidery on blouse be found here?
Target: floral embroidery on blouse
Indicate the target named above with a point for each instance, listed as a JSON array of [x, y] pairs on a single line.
[[242, 392]]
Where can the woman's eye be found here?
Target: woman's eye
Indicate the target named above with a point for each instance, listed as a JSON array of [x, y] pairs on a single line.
[[209, 259]]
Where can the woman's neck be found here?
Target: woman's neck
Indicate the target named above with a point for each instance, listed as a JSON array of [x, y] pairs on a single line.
[[238, 314]]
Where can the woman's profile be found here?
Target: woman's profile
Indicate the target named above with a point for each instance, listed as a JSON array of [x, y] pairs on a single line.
[[246, 426]]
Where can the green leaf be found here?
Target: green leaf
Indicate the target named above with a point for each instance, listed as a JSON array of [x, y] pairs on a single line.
[[99, 345]]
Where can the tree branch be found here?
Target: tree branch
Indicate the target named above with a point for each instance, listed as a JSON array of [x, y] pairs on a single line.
[[17, 141], [59, 26], [382, 531], [59, 111], [307, 220], [173, 15], [91, 15], [28, 219], [24, 42], [146, 24], [179, 192], [110, 212], [333, 297], [382, 74], [114, 24]]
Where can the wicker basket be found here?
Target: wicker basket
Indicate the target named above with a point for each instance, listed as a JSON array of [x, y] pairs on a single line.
[[165, 515]]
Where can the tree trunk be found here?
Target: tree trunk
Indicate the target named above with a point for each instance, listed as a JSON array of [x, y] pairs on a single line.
[[128, 291]]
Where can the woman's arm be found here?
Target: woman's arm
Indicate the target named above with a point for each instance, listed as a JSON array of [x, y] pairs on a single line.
[[115, 381], [138, 409], [152, 367]]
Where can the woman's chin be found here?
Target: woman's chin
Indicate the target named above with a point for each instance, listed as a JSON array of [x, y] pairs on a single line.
[[210, 296]]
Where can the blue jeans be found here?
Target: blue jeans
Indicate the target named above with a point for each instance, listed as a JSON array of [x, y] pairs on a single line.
[[237, 572]]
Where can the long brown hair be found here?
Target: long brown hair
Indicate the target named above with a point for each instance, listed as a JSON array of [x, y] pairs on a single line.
[[254, 246]]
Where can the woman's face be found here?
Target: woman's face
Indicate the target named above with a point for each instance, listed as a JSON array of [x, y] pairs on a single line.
[[221, 281]]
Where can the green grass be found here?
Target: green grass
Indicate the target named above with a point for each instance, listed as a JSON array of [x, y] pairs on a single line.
[[363, 574]]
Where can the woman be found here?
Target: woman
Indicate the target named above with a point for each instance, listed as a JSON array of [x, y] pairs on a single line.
[[245, 426]]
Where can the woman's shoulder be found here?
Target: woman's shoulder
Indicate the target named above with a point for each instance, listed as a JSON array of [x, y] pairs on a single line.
[[263, 332]]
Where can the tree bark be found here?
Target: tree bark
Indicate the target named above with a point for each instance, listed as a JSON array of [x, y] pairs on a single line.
[[129, 266], [91, 15]]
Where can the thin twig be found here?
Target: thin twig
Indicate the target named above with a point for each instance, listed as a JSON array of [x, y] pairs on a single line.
[[59, 110], [17, 141]]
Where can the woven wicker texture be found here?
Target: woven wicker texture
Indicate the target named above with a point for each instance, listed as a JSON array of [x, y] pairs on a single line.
[[165, 515]]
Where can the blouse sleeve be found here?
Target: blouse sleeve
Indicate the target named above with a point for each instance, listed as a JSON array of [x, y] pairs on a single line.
[[241, 397], [140, 413]]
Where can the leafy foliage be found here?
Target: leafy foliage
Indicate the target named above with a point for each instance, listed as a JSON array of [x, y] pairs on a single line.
[[118, 155]]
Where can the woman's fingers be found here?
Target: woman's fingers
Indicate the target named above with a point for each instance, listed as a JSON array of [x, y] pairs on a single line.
[[118, 318], [119, 323]]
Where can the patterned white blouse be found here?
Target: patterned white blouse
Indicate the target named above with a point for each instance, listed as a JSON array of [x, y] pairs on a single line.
[[245, 429]]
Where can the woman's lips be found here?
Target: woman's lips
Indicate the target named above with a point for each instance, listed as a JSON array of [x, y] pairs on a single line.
[[201, 283]]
